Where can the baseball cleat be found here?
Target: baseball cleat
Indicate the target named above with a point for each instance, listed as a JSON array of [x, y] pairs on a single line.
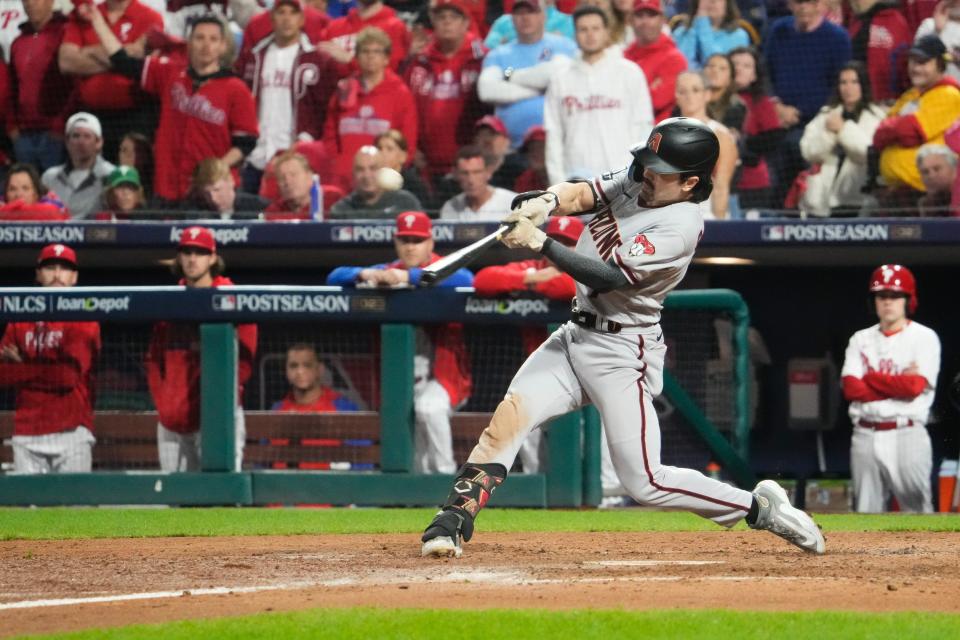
[[778, 516], [442, 537]]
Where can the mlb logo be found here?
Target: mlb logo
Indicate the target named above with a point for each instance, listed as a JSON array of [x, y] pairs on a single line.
[[772, 232], [342, 234], [224, 302]]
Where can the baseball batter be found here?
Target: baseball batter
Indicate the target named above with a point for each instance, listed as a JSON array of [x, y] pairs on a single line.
[[636, 249], [50, 364], [889, 377]]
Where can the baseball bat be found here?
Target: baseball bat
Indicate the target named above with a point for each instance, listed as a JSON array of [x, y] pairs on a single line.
[[445, 266]]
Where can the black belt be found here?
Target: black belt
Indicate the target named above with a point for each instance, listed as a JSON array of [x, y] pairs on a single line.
[[593, 321]]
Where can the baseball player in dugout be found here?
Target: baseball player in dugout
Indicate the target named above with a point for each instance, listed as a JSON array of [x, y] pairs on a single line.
[[889, 377], [442, 379], [50, 364], [645, 228], [173, 361]]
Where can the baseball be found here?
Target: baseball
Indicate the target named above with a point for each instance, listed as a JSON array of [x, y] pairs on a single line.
[[389, 179]]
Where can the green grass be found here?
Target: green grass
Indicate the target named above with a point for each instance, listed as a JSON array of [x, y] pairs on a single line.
[[67, 523], [484, 625]]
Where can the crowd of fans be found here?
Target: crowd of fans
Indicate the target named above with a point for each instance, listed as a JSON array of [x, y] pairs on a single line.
[[287, 111]]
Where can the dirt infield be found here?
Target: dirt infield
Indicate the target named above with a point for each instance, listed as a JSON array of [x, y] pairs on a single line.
[[744, 570]]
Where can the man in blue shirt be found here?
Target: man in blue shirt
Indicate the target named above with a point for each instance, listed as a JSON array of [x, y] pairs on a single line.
[[804, 52], [502, 30], [515, 75]]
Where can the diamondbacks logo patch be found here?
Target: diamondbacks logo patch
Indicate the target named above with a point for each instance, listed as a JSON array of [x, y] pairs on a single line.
[[641, 247], [654, 142]]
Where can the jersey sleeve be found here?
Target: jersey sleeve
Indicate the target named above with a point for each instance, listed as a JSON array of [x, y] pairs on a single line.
[[73, 33], [852, 361], [928, 358], [647, 253], [610, 186], [154, 74]]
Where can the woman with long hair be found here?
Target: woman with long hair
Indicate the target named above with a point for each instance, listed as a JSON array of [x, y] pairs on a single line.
[[725, 105], [26, 197], [712, 26], [836, 143], [394, 153], [761, 132], [123, 196], [137, 152], [692, 98]]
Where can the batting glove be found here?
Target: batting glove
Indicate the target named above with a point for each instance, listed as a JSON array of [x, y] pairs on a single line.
[[534, 206], [524, 235]]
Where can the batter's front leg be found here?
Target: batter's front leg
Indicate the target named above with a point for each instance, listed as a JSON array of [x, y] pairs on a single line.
[[545, 387]]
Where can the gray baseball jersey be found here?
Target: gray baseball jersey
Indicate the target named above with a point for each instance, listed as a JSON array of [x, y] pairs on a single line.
[[653, 248]]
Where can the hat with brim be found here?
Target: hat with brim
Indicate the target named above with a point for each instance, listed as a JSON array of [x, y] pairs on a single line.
[[650, 160], [57, 253], [124, 175], [927, 48]]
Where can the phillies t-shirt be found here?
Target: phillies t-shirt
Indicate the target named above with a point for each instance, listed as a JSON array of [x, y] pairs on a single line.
[[198, 119], [276, 103], [111, 91]]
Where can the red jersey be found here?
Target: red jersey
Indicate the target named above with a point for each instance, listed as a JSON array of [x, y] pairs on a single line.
[[445, 92], [883, 50], [661, 62], [761, 117], [343, 31], [356, 116], [43, 211], [111, 91], [329, 402], [173, 369], [279, 210], [41, 95], [55, 380], [198, 119]]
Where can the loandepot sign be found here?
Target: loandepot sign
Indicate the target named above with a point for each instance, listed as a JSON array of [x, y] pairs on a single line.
[[521, 307], [825, 232]]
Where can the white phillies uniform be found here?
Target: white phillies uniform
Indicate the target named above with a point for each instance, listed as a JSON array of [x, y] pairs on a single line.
[[621, 373], [900, 459]]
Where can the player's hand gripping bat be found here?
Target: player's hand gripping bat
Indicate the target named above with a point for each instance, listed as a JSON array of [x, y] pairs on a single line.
[[458, 259]]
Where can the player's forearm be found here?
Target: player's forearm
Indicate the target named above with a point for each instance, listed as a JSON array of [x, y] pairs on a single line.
[[903, 387], [855, 390], [573, 198], [82, 62], [599, 276]]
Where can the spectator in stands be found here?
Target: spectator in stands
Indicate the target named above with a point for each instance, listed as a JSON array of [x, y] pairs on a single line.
[[945, 24], [515, 75], [26, 198], [922, 114], [214, 190], [952, 140], [692, 101], [115, 99], [368, 103], [292, 82], [880, 38], [804, 53], [657, 55], [79, 182], [299, 186], [491, 135], [442, 379], [261, 26], [40, 94], [621, 33], [394, 154], [595, 104], [761, 132], [534, 149], [368, 199], [938, 171], [205, 111], [173, 361], [504, 29], [50, 364], [341, 38], [443, 79], [137, 152], [13, 16], [837, 141], [478, 201], [308, 392], [712, 26], [123, 195], [725, 105]]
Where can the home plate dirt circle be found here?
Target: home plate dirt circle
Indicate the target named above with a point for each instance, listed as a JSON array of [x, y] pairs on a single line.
[[77, 584]]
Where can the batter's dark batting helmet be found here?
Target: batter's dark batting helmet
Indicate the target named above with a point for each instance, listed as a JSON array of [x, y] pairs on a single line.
[[897, 279], [679, 145]]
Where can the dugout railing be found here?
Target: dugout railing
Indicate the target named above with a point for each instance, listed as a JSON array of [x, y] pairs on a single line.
[[710, 393]]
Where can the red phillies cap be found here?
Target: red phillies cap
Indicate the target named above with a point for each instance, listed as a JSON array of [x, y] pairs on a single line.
[[534, 133], [199, 237], [459, 5], [564, 229], [57, 252], [492, 122], [414, 224], [295, 3], [647, 5]]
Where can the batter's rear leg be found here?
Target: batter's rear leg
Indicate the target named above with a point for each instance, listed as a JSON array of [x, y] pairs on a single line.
[[545, 387]]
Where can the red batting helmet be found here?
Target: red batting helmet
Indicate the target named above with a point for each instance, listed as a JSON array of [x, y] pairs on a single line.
[[896, 278]]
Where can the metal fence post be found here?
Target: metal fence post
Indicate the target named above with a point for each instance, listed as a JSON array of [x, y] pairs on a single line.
[[218, 397], [397, 349]]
